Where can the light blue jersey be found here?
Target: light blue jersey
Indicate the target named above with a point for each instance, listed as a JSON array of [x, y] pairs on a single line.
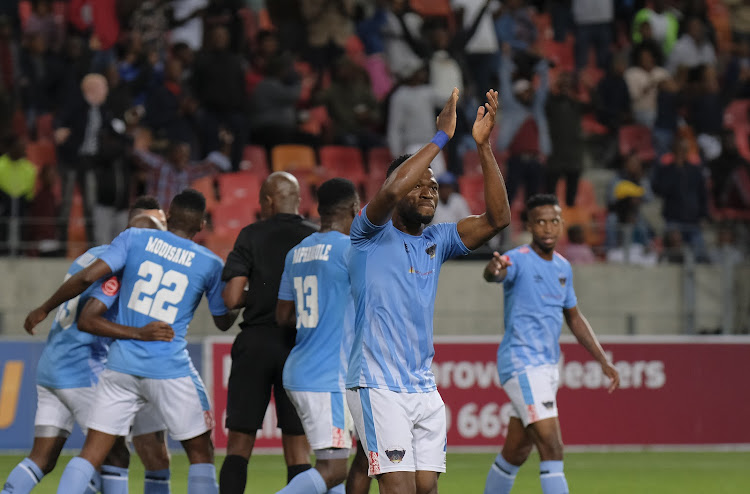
[[316, 277], [72, 358], [536, 292], [394, 282], [163, 279]]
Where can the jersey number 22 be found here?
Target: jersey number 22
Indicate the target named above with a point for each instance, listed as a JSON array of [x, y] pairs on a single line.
[[161, 307]]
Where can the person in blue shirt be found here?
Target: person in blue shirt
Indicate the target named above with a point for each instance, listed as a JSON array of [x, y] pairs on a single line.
[[164, 277], [67, 373], [315, 297], [538, 288], [394, 267]]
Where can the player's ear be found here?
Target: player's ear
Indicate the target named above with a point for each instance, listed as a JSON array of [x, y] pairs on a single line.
[[203, 224]]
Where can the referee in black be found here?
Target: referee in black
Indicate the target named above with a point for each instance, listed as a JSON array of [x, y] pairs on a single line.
[[253, 274]]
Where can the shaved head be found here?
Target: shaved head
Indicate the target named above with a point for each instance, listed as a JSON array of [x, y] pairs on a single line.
[[149, 218], [279, 194]]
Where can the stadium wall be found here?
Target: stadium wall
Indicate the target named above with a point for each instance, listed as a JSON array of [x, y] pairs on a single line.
[[616, 299]]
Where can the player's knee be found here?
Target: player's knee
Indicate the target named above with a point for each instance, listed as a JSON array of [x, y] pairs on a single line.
[[199, 449], [518, 455], [550, 448]]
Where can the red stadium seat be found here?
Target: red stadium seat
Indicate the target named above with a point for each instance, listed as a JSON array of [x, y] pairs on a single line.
[[560, 53], [378, 161], [343, 161], [308, 205], [585, 196], [288, 157], [636, 138], [221, 242], [432, 8], [472, 188], [207, 187], [44, 128], [254, 160], [230, 217], [41, 153], [241, 189], [471, 163], [736, 114]]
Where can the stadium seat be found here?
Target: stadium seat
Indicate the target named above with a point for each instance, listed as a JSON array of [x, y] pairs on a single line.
[[289, 157], [41, 153], [471, 164], [636, 138], [343, 161], [378, 161], [587, 218], [318, 119], [560, 53], [44, 127], [24, 12], [308, 205], [221, 242], [472, 188], [254, 161], [207, 187], [242, 189], [585, 196], [230, 217], [432, 8]]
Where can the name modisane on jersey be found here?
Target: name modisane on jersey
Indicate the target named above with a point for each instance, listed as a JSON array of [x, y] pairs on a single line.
[[170, 252], [317, 252]]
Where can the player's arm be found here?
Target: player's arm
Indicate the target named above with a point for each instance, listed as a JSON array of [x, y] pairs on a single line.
[[475, 231], [407, 176], [235, 292], [225, 321], [73, 286], [581, 328], [92, 320], [286, 314], [497, 269]]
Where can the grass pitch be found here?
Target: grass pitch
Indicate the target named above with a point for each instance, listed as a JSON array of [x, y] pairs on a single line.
[[587, 473]]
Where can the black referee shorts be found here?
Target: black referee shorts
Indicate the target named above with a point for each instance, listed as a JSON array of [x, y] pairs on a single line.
[[258, 356]]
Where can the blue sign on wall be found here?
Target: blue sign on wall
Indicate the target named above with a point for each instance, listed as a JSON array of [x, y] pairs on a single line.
[[18, 362]]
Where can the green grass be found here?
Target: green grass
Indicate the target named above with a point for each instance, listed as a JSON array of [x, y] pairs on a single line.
[[587, 473]]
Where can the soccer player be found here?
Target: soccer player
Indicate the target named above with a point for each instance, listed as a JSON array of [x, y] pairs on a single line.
[[165, 274], [67, 373], [538, 286], [253, 273], [315, 297], [394, 267]]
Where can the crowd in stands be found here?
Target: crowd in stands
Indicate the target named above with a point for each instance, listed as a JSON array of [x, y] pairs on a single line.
[[102, 100]]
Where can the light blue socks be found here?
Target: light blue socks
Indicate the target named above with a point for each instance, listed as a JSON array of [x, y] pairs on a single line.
[[552, 477], [307, 482], [76, 477], [23, 478], [501, 477], [202, 479], [156, 482], [114, 480]]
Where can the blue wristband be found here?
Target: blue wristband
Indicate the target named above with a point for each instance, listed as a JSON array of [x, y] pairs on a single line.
[[441, 139]]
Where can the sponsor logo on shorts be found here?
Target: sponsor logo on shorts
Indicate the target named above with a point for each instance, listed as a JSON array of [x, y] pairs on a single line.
[[339, 439], [372, 457], [111, 287], [395, 454], [548, 404], [531, 410], [208, 417]]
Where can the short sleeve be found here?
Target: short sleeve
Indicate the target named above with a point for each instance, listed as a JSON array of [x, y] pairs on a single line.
[[213, 293], [107, 290], [117, 253], [512, 270], [286, 288], [364, 233], [240, 261], [449, 241], [570, 294]]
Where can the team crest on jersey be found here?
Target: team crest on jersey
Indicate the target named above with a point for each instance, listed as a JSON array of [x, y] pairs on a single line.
[[562, 280], [374, 462], [111, 287], [395, 454], [431, 251]]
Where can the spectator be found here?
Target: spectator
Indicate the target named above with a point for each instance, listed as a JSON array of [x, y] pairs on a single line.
[[564, 116], [352, 106], [664, 25], [43, 211], [673, 251], [628, 236], [706, 115], [593, 19], [736, 194], [561, 13], [41, 82], [680, 181], [266, 48], [726, 249], [515, 26], [524, 133], [403, 50], [722, 170], [168, 176], [452, 207], [219, 84], [445, 71], [10, 56], [225, 13], [188, 17], [643, 83], [576, 251], [736, 82], [150, 22], [100, 18], [648, 41], [693, 49], [43, 21], [329, 26], [669, 101], [17, 187], [612, 98], [482, 48], [164, 102], [411, 117]]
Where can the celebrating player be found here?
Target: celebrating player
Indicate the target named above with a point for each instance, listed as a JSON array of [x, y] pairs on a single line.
[[67, 373], [315, 296], [394, 267], [538, 286]]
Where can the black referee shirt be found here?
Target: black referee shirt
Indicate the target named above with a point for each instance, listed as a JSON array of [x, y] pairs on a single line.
[[259, 254]]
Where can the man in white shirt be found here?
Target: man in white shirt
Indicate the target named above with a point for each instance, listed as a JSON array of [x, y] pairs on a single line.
[[482, 47], [452, 206], [693, 49]]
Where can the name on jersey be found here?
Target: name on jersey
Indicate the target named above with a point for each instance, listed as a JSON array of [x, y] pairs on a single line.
[[313, 253], [170, 252]]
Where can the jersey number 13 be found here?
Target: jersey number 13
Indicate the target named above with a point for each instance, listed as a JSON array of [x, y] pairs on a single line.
[[169, 288], [307, 301]]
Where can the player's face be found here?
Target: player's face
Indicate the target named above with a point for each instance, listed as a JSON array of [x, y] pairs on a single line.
[[419, 204], [545, 225]]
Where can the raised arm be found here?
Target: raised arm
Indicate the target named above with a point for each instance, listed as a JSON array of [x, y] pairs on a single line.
[[497, 269], [92, 320], [581, 328], [73, 286], [406, 176], [477, 230]]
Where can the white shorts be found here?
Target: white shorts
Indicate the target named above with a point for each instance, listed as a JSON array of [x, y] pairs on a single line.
[[60, 408], [400, 432], [533, 393], [325, 418], [182, 404]]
